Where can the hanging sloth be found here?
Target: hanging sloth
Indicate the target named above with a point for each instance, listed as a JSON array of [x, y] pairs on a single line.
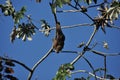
[[58, 41]]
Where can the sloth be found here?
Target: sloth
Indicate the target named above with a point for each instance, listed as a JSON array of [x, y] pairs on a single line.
[[58, 41]]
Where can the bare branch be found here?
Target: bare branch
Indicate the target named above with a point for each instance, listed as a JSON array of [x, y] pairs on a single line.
[[69, 11], [113, 26], [23, 65], [88, 43], [91, 66], [82, 12], [84, 71], [41, 60], [91, 37], [69, 52], [95, 5], [105, 66], [72, 26], [104, 54]]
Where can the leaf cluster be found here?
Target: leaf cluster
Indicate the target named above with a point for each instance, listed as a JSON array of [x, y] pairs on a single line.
[[24, 31], [45, 28], [58, 3], [8, 10], [108, 13], [64, 71], [19, 15], [6, 70]]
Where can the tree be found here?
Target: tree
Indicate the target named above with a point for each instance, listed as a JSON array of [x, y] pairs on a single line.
[[81, 47]]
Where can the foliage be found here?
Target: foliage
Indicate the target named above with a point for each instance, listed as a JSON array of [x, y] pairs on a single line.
[[23, 31], [64, 71], [6, 70], [107, 14], [45, 28], [9, 10]]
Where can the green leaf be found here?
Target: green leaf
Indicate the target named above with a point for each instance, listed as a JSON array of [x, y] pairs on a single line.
[[25, 31], [64, 71], [23, 9], [19, 15], [59, 3], [19, 34], [24, 37], [115, 3], [66, 1], [114, 10], [13, 34], [6, 13], [45, 28], [29, 36]]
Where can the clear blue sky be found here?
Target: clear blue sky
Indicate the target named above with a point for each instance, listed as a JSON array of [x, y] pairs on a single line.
[[30, 52]]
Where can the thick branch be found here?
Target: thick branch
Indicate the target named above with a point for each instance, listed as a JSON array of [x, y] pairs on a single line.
[[41, 60], [26, 67]]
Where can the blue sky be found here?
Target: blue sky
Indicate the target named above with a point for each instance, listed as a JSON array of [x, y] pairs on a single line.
[[30, 52]]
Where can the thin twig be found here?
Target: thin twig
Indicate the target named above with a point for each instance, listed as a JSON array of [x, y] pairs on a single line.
[[90, 66], [88, 43], [95, 5], [72, 26], [91, 37], [84, 71], [30, 20], [20, 63], [113, 26], [69, 11], [41, 60], [84, 12], [76, 52], [104, 54], [105, 66]]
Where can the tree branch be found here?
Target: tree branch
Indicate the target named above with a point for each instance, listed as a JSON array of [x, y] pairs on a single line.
[[91, 66], [113, 26], [96, 5], [69, 11], [84, 71], [83, 12], [105, 67], [88, 43], [41, 60], [15, 61], [104, 54], [72, 26]]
